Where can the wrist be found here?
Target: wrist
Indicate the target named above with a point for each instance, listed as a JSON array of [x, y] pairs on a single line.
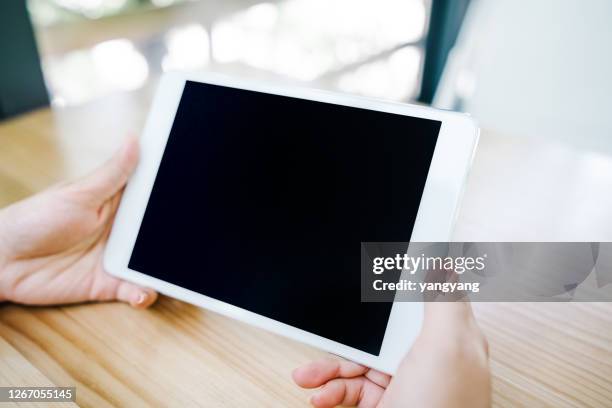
[[455, 319], [458, 311]]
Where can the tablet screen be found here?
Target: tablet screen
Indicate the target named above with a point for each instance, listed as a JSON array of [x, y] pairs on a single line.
[[262, 201]]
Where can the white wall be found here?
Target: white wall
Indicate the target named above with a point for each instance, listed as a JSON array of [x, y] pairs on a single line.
[[540, 68]]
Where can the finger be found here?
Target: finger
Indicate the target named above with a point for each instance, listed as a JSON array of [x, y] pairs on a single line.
[[340, 391], [378, 378], [318, 373], [348, 392], [105, 287], [112, 176], [135, 295]]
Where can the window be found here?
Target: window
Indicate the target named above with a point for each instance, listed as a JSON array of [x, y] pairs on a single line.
[[90, 48]]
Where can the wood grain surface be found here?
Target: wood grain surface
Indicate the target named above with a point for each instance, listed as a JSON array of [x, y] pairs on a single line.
[[542, 355]]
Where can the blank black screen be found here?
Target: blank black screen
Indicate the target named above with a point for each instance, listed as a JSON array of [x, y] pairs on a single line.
[[262, 201]]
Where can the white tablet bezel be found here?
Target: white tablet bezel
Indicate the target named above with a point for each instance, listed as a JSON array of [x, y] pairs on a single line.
[[434, 222]]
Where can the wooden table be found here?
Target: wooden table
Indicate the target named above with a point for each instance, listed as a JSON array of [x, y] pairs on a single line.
[[175, 354]]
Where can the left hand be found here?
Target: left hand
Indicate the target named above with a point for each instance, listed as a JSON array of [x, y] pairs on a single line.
[[51, 244]]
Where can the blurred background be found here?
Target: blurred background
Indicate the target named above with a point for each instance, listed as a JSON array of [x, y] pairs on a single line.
[[538, 69], [93, 47]]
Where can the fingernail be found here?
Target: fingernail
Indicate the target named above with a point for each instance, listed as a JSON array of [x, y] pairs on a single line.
[[142, 298]]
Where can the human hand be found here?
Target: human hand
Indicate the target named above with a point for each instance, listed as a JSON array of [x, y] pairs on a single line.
[[446, 367], [51, 244]]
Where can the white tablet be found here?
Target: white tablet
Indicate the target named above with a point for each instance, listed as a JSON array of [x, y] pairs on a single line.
[[252, 199]]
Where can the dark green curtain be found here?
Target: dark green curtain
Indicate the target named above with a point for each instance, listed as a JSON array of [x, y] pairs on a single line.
[[444, 25], [22, 87]]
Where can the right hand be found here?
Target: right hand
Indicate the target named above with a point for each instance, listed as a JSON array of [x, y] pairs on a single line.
[[447, 367]]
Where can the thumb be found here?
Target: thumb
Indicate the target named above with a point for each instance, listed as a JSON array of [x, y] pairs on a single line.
[[112, 176]]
